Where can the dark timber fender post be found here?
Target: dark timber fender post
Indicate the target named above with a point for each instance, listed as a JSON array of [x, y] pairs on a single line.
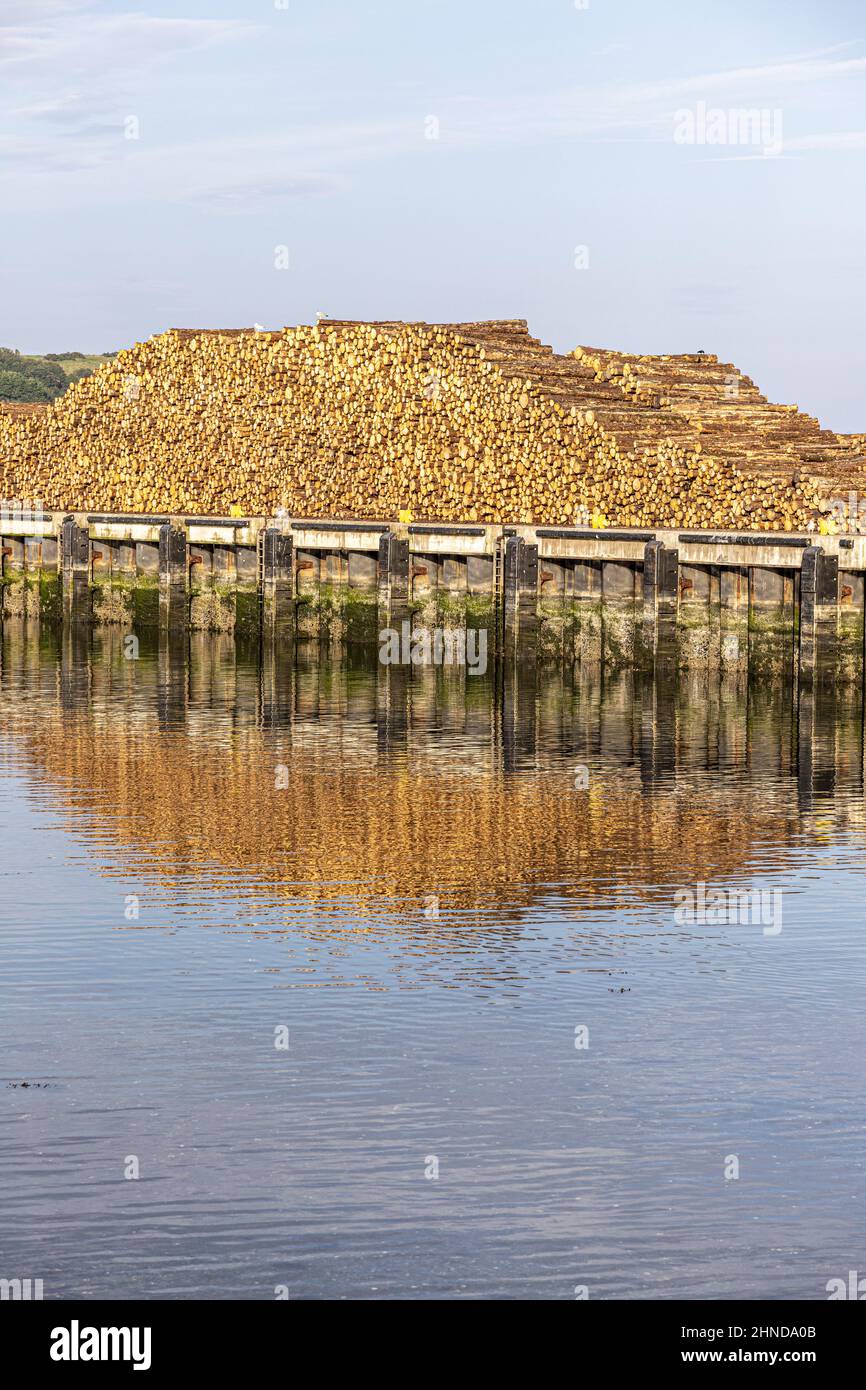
[[75, 569], [819, 611], [520, 597], [173, 576], [278, 585], [660, 602], [393, 586]]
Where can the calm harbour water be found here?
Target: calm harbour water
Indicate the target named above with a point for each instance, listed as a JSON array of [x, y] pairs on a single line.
[[201, 850]]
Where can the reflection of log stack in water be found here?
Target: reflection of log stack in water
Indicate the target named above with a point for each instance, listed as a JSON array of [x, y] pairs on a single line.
[[462, 422], [363, 827]]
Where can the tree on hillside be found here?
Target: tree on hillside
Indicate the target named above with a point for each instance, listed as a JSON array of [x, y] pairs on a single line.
[[16, 386], [38, 378], [49, 373]]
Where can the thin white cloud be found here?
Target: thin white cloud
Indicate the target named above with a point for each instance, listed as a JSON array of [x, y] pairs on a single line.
[[105, 45], [20, 12], [248, 196], [68, 70], [810, 69], [832, 140], [762, 156], [92, 163]]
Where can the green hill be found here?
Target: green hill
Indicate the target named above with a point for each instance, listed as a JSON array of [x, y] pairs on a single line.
[[43, 378]]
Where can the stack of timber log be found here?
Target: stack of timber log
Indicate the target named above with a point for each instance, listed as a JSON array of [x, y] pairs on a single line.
[[443, 422], [21, 410]]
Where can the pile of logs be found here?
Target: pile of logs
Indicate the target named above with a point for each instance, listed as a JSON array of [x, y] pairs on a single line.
[[448, 422], [18, 410]]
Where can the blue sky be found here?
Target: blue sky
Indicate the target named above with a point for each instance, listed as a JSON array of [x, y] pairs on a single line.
[[308, 127]]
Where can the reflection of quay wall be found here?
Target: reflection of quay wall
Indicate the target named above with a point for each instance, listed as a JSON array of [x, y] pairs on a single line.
[[397, 787], [775, 604]]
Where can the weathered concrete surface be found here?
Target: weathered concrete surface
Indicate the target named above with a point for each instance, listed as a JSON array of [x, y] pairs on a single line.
[[620, 613], [771, 621], [617, 601]]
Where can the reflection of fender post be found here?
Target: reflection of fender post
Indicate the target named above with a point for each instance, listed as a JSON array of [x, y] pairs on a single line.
[[173, 575], [278, 585], [75, 569]]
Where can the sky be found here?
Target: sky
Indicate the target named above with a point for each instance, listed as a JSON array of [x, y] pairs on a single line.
[[220, 163]]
